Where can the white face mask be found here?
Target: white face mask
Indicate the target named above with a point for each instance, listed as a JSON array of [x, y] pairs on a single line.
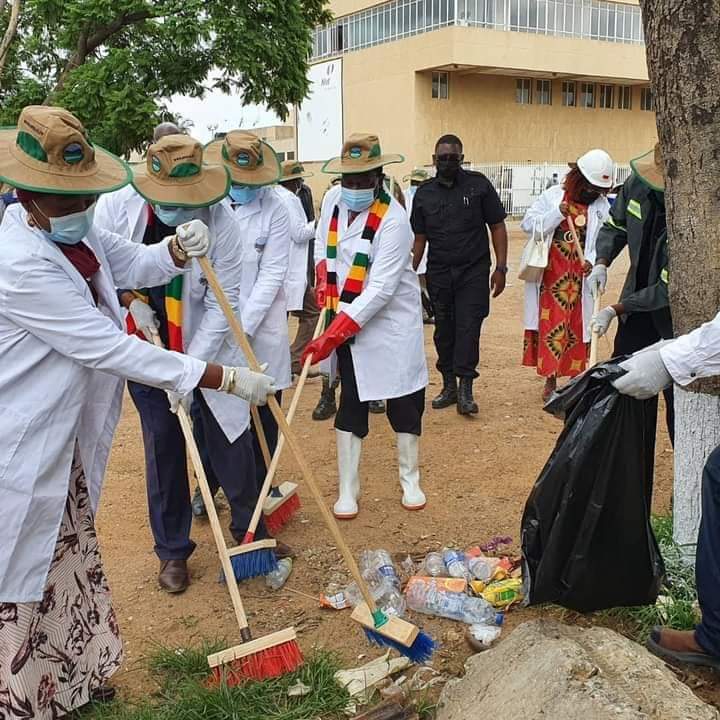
[[69, 229]]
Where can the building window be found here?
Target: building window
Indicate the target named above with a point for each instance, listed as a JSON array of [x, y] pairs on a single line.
[[440, 85], [281, 156], [291, 155], [543, 89], [647, 102], [569, 94], [587, 95], [625, 97], [607, 96], [523, 92]]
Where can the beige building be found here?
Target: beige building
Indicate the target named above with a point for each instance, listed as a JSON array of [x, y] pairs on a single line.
[[517, 80], [281, 137]]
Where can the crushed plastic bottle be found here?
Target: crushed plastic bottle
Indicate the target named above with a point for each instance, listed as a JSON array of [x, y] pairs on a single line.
[[387, 597], [455, 563], [482, 568], [428, 598], [379, 562], [435, 565], [486, 635], [278, 577]]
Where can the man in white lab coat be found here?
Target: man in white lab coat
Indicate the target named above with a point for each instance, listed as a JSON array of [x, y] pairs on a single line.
[[262, 226], [298, 283], [649, 372], [171, 188], [374, 333]]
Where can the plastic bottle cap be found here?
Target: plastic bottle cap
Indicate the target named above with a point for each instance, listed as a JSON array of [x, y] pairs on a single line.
[[499, 618]]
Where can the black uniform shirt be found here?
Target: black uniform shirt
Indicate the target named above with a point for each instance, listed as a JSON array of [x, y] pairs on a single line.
[[454, 218]]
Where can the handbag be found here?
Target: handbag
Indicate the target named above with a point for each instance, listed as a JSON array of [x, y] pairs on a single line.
[[535, 256]]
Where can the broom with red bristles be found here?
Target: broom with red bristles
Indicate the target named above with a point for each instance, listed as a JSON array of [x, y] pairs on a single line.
[[267, 657]]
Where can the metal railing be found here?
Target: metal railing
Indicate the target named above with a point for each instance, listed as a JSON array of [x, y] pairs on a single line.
[[398, 19]]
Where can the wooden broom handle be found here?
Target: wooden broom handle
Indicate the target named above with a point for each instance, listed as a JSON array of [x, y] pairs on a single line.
[[272, 467], [217, 532], [594, 337], [260, 435], [290, 438]]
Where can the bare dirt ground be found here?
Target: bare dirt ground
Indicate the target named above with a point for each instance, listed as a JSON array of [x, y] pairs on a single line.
[[476, 472]]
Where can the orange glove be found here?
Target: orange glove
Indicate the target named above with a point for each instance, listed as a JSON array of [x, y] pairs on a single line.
[[341, 329], [320, 283]]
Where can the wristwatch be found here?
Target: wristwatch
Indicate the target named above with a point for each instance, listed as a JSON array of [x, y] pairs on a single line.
[[177, 250], [502, 268]]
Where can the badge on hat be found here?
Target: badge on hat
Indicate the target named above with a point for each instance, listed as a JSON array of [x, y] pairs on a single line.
[[73, 153], [243, 159], [355, 152], [156, 164]]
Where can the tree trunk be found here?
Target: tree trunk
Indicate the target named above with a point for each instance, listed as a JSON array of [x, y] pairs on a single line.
[[683, 53], [9, 34]]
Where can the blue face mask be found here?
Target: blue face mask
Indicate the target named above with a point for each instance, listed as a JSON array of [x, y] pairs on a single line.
[[243, 194], [358, 200], [174, 216], [69, 229]]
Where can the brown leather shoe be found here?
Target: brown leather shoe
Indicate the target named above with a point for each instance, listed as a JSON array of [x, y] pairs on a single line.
[[283, 551], [174, 576]]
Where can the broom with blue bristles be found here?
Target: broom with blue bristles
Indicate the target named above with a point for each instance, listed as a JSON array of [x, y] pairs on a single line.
[[379, 628]]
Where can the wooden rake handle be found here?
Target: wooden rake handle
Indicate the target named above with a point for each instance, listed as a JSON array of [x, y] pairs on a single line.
[[290, 437], [273, 466], [217, 532]]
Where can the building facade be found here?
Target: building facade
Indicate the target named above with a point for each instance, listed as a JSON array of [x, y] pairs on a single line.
[[536, 81]]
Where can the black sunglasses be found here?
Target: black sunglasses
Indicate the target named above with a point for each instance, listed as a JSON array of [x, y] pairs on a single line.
[[450, 157]]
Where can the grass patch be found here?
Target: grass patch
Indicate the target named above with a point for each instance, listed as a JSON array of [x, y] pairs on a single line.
[[676, 606], [181, 674]]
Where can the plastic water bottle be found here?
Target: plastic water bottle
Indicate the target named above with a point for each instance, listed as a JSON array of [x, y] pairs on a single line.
[[429, 599], [455, 563], [277, 578], [388, 598], [380, 563], [482, 568], [435, 565]]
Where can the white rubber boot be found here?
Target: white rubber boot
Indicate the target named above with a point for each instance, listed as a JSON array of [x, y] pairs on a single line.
[[348, 459], [413, 497]]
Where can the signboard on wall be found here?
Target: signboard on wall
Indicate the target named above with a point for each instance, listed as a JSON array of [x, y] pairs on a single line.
[[320, 117]]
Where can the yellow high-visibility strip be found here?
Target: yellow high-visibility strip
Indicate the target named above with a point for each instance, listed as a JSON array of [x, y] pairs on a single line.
[[633, 207], [613, 224], [665, 275]]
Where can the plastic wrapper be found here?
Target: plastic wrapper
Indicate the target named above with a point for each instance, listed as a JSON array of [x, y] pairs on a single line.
[[586, 535]]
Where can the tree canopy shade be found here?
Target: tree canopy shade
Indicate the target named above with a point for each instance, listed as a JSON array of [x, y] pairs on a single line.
[[112, 62]]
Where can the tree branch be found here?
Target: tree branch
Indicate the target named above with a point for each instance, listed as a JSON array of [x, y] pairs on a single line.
[[10, 31]]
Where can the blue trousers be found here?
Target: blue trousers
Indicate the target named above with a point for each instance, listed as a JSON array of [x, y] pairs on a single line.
[[166, 472], [707, 565], [271, 435]]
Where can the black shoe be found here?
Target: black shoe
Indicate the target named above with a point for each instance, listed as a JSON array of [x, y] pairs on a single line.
[[198, 504], [465, 403], [377, 406], [448, 395], [326, 406]]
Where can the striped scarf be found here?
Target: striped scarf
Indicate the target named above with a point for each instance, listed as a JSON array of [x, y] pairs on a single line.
[[173, 310], [358, 272]]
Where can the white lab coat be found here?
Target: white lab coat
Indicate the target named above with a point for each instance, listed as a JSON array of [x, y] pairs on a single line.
[[63, 362], [409, 199], [544, 216], [205, 330], [388, 352], [302, 231], [264, 229]]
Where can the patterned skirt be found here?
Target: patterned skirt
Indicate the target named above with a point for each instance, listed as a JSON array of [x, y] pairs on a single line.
[[557, 347], [55, 652]]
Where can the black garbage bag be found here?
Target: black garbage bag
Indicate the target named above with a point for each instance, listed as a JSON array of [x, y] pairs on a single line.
[[586, 536]]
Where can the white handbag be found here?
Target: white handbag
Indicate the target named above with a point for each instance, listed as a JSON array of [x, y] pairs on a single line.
[[535, 255]]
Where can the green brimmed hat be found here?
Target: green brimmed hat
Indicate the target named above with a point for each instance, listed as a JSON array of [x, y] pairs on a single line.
[[293, 170], [417, 175], [174, 174], [360, 153], [49, 151], [250, 160], [649, 167]]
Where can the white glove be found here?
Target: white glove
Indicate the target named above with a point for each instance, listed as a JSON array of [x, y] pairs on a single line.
[[194, 238], [597, 280], [176, 400], [252, 387], [144, 317], [646, 375], [602, 320]]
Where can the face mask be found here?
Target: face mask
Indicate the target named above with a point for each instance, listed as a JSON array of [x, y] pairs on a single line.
[[587, 197], [174, 216], [69, 229], [358, 200], [447, 169], [242, 194]]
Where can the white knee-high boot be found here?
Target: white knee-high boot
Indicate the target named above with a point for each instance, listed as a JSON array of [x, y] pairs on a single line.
[[348, 459], [413, 497]]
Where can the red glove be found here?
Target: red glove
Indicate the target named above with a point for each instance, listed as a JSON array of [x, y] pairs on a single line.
[[320, 283], [342, 328]]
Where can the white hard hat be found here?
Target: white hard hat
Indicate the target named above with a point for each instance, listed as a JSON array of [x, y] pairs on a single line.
[[597, 167]]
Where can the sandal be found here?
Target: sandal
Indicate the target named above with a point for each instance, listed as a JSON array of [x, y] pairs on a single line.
[[681, 658]]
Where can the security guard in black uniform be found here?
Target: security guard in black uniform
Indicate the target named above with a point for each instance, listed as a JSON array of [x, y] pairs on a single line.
[[451, 212], [637, 220]]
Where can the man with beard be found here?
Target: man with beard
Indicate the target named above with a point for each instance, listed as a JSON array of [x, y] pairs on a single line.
[[451, 212]]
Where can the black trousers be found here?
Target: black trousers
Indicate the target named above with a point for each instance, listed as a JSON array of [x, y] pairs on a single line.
[[636, 332], [404, 413], [460, 297], [270, 429]]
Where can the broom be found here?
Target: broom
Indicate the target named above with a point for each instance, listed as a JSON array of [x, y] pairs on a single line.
[[380, 628], [287, 507], [266, 657], [283, 502]]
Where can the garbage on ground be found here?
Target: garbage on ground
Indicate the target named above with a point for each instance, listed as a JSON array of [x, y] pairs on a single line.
[[485, 635], [456, 563], [278, 577], [503, 594], [360, 682], [299, 689]]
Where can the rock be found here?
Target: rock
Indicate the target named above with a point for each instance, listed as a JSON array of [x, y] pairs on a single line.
[[547, 669]]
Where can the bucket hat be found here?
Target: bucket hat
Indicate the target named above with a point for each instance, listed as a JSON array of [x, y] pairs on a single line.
[[250, 160], [649, 167], [292, 170], [360, 153]]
